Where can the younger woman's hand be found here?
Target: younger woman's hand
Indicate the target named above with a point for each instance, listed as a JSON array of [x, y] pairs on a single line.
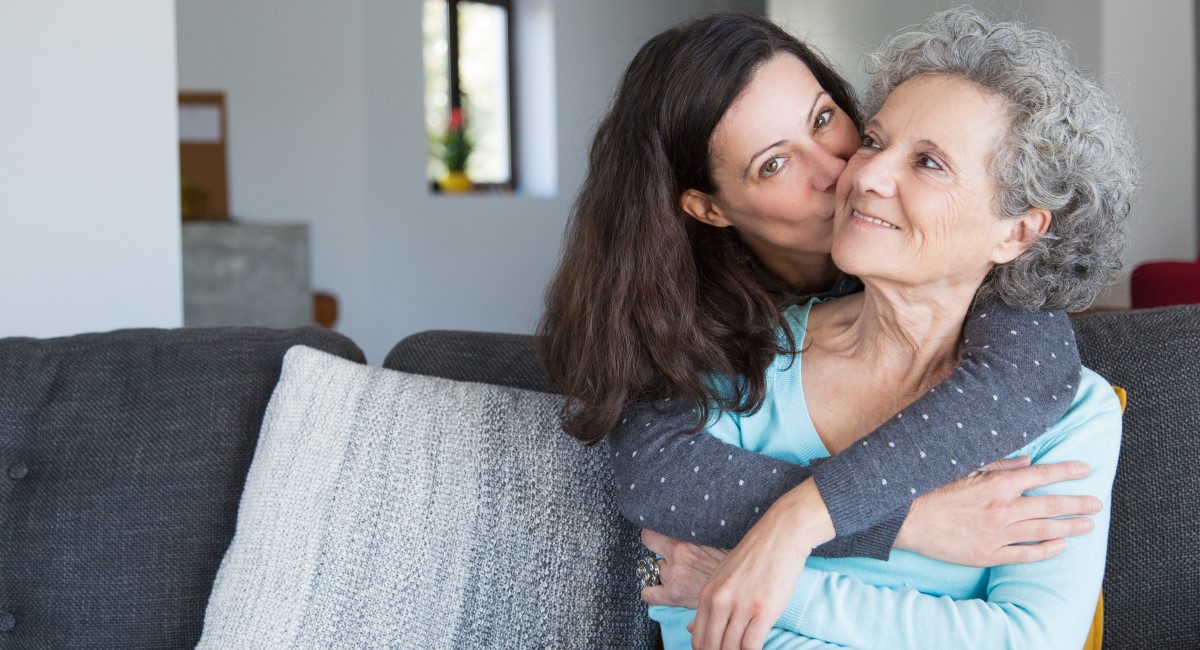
[[682, 570], [984, 519], [745, 596]]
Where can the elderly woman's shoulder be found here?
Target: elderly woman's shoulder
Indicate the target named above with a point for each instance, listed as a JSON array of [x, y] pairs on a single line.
[[1093, 419], [1094, 395]]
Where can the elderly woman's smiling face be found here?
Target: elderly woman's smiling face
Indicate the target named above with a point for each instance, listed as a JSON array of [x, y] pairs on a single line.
[[916, 203]]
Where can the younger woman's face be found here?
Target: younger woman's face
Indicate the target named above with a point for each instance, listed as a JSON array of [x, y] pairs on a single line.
[[776, 156]]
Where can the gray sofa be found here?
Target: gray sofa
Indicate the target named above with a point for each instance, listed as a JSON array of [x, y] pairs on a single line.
[[125, 456]]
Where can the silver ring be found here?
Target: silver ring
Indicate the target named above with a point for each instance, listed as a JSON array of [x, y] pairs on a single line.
[[647, 572]]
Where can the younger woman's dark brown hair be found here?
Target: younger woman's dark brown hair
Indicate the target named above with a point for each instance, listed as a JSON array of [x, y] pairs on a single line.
[[648, 302]]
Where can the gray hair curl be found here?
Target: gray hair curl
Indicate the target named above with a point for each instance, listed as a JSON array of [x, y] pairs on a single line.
[[1068, 149]]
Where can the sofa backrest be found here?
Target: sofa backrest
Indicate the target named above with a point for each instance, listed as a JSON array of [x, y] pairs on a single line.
[[1151, 593], [122, 459], [1152, 597], [486, 357]]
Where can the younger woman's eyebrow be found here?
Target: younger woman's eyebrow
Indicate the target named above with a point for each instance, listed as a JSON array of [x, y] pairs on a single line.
[[807, 120]]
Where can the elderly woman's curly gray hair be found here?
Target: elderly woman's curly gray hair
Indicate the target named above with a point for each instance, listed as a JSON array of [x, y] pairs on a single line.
[[1068, 150]]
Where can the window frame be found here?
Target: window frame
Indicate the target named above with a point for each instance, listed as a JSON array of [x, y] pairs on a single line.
[[455, 89]]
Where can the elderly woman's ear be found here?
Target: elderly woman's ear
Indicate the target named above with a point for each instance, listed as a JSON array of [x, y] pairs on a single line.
[[1021, 235]]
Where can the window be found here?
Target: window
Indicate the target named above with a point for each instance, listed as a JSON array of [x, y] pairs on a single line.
[[468, 66]]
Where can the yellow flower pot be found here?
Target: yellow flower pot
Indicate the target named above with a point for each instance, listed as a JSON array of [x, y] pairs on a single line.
[[454, 182]]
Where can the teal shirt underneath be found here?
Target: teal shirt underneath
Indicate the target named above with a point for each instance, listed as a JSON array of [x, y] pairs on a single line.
[[911, 601]]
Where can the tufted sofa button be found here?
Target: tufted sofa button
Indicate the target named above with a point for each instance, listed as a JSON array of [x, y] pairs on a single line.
[[7, 622], [16, 472]]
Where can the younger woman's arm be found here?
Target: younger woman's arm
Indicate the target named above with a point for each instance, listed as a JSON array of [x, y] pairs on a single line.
[[1018, 374], [718, 498], [1044, 605]]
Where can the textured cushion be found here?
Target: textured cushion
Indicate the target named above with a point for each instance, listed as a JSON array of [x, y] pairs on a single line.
[[390, 509], [1151, 591], [122, 458], [503, 359]]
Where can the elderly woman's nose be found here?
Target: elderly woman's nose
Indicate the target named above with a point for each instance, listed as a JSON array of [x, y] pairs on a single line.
[[875, 175]]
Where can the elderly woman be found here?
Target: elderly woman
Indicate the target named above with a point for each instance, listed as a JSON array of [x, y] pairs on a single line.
[[991, 168]]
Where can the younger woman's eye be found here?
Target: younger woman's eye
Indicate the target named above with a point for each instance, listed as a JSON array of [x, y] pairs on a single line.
[[771, 167], [823, 118]]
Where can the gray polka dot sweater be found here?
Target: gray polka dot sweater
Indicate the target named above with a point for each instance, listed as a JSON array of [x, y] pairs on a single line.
[[1017, 377]]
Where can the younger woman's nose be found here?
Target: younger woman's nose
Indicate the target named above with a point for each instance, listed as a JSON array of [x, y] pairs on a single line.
[[826, 168]]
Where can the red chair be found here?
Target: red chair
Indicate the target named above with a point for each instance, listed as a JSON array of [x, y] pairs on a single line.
[[1159, 284]]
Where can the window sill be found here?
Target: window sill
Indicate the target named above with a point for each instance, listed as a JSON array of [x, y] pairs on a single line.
[[477, 189]]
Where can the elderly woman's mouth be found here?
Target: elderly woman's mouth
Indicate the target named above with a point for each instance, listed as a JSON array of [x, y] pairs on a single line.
[[872, 220]]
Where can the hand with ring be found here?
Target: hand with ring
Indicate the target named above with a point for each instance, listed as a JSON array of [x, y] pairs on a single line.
[[981, 520], [648, 572], [678, 573]]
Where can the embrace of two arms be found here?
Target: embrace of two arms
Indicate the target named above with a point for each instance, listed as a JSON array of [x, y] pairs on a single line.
[[698, 489]]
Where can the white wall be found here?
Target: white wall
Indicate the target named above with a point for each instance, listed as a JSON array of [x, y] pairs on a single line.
[[89, 172], [295, 92], [326, 126], [1149, 60], [1156, 83], [847, 29]]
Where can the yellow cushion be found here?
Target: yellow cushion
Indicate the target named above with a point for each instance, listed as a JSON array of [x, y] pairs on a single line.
[[1096, 635]]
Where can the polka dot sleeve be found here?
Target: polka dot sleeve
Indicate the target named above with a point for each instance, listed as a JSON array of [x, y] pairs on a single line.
[[1017, 377], [688, 486]]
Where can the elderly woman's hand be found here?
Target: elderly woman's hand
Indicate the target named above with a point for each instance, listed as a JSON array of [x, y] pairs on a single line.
[[682, 571], [984, 519]]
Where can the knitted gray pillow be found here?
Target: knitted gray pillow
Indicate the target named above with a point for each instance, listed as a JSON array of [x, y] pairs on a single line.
[[384, 509]]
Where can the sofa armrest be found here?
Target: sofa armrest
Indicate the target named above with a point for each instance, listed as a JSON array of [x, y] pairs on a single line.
[[122, 459]]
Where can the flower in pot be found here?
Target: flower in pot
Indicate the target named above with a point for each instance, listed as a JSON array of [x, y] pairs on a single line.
[[455, 147]]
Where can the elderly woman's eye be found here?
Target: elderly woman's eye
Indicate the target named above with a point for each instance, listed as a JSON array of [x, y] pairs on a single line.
[[869, 143], [927, 162], [771, 167], [824, 118]]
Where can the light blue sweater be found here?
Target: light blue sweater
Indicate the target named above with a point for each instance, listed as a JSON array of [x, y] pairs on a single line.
[[911, 601]]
